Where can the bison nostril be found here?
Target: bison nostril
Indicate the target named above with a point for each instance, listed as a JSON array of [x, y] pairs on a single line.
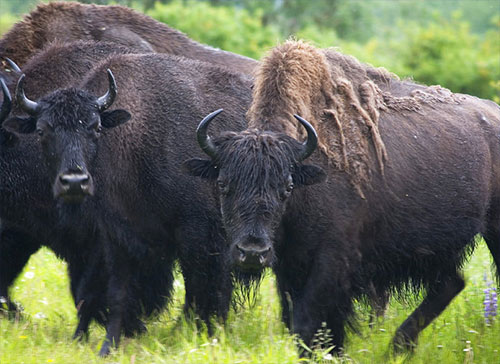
[[72, 179], [263, 255], [242, 253], [64, 180], [84, 180]]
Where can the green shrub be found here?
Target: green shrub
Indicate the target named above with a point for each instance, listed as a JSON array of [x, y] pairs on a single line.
[[447, 53], [6, 21], [228, 28]]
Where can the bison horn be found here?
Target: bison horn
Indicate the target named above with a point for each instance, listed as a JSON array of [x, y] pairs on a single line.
[[7, 102], [13, 65], [108, 98], [31, 107], [204, 140], [312, 139]]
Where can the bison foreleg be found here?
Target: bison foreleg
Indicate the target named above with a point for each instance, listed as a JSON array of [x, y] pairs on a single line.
[[206, 275], [492, 238], [15, 250], [437, 299], [117, 298], [317, 311]]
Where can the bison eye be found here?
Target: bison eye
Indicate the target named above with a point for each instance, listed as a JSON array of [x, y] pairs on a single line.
[[39, 132], [287, 192], [223, 187], [97, 127]]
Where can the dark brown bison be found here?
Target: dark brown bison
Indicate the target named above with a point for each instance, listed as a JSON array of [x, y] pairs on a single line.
[[126, 180], [412, 175], [28, 211], [71, 21]]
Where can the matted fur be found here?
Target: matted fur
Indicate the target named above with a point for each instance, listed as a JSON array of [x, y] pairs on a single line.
[[297, 78]]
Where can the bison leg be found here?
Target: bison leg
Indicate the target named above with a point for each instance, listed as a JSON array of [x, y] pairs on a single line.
[[492, 238], [379, 300], [15, 250], [87, 286], [82, 328], [206, 276], [318, 307], [208, 289], [116, 298], [437, 299]]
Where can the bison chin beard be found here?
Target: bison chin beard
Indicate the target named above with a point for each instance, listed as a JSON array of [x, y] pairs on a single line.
[[69, 213]]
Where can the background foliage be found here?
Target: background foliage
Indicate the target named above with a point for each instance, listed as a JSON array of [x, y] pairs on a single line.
[[454, 43]]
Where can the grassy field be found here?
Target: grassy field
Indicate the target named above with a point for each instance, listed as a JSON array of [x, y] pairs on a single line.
[[251, 335]]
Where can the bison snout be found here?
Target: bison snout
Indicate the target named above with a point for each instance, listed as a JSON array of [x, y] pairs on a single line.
[[73, 187], [73, 180], [253, 258]]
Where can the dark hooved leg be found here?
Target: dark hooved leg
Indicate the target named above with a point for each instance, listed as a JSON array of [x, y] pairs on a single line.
[[15, 250], [208, 290], [117, 299], [312, 303], [378, 302], [437, 299], [145, 299], [492, 238], [309, 319], [206, 275], [84, 318], [88, 286]]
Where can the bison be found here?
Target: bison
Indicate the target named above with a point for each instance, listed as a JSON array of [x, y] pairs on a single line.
[[410, 175], [127, 180], [27, 207], [71, 21]]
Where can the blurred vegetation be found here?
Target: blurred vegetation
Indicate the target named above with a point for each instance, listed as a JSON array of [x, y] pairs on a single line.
[[222, 27], [452, 43]]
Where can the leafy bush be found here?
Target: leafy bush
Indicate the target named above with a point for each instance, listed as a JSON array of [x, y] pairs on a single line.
[[431, 48], [228, 28], [447, 53], [443, 52], [6, 21]]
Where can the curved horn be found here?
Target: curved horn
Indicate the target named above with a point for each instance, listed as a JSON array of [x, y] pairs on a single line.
[[31, 107], [108, 98], [13, 65], [204, 140], [312, 139], [7, 102]]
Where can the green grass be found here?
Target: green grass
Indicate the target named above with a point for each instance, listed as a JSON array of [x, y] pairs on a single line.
[[251, 335]]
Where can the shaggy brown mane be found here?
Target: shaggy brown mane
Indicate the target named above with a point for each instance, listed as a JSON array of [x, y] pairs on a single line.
[[338, 95]]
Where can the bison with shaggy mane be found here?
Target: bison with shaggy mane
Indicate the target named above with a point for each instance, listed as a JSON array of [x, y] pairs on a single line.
[[412, 175]]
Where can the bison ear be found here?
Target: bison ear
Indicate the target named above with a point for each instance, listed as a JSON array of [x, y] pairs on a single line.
[[203, 168], [308, 174], [110, 119], [21, 125]]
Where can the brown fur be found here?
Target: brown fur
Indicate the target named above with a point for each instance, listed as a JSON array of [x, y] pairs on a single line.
[[297, 78], [71, 21]]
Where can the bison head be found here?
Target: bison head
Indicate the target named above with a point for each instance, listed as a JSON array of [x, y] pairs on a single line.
[[255, 173], [68, 123]]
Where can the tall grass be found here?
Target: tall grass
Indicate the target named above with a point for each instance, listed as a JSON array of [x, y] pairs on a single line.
[[251, 335]]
